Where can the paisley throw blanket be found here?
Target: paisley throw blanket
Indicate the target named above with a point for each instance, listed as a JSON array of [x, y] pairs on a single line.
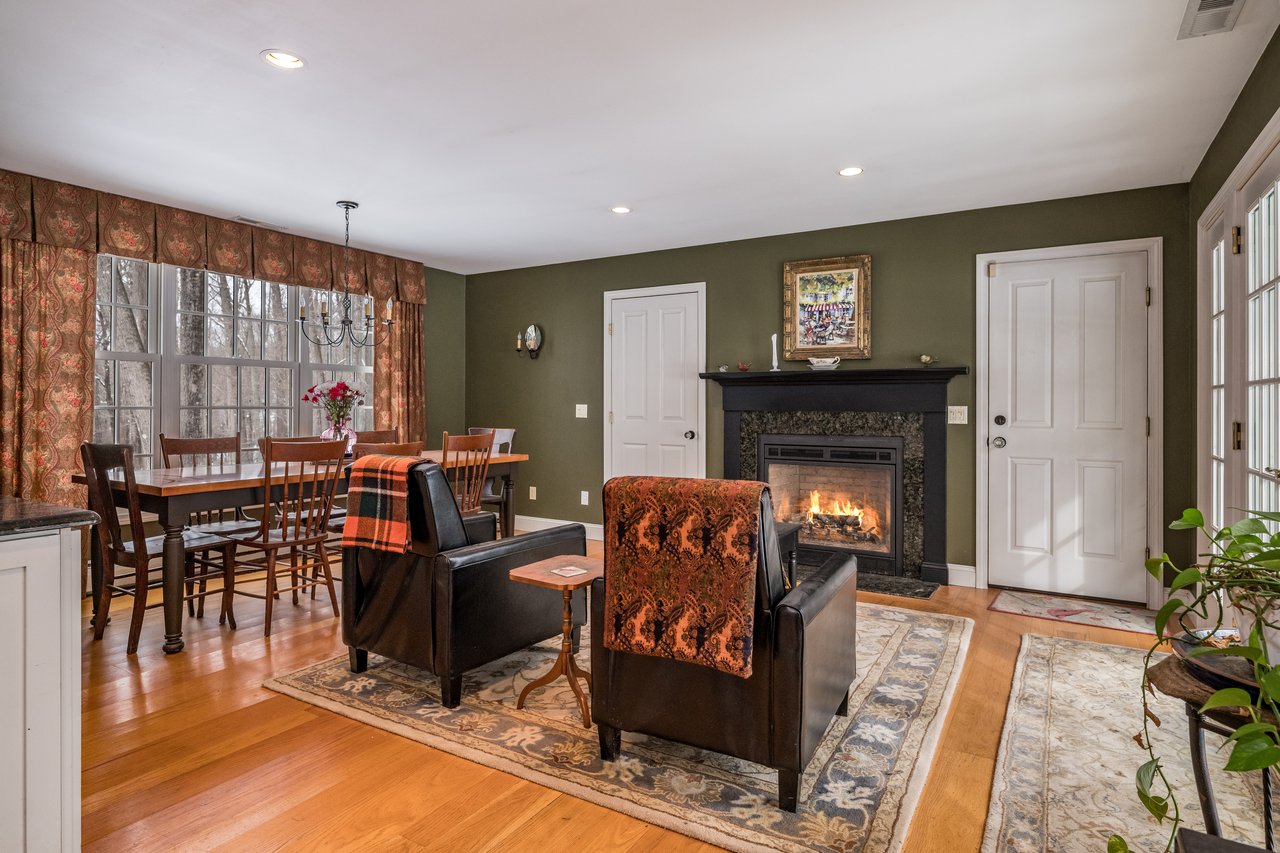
[[680, 569]]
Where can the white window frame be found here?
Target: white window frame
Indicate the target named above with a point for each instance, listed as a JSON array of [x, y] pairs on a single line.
[[152, 355], [1229, 209]]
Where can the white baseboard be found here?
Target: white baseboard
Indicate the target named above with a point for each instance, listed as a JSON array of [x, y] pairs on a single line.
[[530, 523], [961, 575]]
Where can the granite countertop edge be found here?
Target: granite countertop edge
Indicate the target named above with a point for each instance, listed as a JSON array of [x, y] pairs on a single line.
[[23, 516]]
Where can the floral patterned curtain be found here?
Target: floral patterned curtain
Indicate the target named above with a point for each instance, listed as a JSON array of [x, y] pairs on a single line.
[[399, 397], [47, 298]]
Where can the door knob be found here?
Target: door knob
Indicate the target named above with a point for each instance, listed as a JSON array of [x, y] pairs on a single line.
[[690, 434], [998, 441]]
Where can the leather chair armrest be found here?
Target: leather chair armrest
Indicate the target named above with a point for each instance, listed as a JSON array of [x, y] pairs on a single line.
[[528, 545], [814, 658], [480, 527]]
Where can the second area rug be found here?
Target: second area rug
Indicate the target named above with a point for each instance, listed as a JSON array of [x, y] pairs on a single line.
[[858, 794]]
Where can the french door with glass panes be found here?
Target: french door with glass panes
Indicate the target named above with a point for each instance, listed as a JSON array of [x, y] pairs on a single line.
[[1240, 373]]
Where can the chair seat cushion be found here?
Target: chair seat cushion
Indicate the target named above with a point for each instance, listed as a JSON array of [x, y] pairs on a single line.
[[275, 539], [192, 540], [224, 528]]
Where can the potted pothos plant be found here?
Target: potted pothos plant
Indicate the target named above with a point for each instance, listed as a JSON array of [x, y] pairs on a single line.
[[1240, 572]]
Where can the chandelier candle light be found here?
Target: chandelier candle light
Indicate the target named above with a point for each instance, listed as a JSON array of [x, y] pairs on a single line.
[[344, 329]]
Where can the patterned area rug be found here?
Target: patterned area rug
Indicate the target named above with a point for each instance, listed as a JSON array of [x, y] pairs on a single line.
[[857, 796], [1064, 775], [1082, 611]]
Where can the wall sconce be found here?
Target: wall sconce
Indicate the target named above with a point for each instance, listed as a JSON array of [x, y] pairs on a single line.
[[530, 339]]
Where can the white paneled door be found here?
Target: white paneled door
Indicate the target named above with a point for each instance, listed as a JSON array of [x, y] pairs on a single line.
[[654, 396], [1067, 452]]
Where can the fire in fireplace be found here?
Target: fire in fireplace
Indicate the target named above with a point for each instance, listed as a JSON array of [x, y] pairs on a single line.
[[844, 491]]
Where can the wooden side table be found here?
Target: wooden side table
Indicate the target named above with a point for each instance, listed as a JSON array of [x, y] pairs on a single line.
[[551, 574]]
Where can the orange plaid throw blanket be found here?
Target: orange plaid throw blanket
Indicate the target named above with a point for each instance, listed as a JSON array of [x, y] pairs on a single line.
[[378, 503]]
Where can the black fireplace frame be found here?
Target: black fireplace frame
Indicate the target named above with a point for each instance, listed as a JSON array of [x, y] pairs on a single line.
[[903, 389], [839, 451]]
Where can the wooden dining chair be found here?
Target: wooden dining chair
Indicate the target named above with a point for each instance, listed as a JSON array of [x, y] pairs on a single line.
[[101, 462], [211, 453], [408, 448], [466, 462], [301, 479], [377, 436], [504, 441]]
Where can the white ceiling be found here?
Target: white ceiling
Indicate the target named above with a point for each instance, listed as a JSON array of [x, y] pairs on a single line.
[[493, 134]]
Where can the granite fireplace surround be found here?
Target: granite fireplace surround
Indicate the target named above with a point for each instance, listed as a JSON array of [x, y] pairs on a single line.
[[910, 403]]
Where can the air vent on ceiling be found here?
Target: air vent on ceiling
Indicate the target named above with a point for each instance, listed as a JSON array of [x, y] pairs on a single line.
[[1206, 17], [259, 223]]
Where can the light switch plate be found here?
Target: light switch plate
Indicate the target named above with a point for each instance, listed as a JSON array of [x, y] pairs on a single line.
[[957, 414], [533, 493], [586, 497], [580, 410]]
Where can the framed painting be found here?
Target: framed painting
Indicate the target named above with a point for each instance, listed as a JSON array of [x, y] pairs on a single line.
[[826, 308]]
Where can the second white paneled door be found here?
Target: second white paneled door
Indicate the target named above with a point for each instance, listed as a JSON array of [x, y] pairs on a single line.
[[654, 398], [1067, 400]]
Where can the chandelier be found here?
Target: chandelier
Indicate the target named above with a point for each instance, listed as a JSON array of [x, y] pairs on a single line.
[[334, 331]]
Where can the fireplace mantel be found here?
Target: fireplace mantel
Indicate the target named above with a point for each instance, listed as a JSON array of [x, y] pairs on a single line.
[[917, 390]]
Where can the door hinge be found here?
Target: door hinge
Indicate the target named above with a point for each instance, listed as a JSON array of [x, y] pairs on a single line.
[[1237, 240], [1148, 552], [1237, 433], [611, 328], [611, 417], [1148, 426], [991, 269], [1148, 297]]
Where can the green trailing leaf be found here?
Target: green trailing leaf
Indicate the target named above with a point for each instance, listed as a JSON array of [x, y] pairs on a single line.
[[1191, 519], [1186, 578], [1116, 844], [1249, 652], [1269, 516], [1155, 565], [1251, 729], [1248, 526], [1230, 697], [1146, 775], [1157, 806], [1253, 753], [1170, 607], [1270, 683]]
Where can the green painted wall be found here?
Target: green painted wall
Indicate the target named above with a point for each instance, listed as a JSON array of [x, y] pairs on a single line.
[[1257, 103], [923, 294], [445, 342]]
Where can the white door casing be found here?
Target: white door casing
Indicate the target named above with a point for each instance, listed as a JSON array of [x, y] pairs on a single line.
[[655, 404], [1066, 355]]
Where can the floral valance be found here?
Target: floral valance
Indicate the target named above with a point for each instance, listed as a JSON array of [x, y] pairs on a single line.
[[67, 216]]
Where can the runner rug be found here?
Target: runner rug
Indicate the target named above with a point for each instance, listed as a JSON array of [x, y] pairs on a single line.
[[857, 795], [1064, 779], [1081, 611]]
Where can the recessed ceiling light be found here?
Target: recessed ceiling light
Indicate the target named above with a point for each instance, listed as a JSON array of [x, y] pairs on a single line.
[[282, 59], [850, 172], [620, 210]]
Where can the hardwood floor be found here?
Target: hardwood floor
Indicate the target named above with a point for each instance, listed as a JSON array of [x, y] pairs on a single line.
[[190, 752]]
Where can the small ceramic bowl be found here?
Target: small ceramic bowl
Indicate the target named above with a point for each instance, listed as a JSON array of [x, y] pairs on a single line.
[[744, 366], [824, 362]]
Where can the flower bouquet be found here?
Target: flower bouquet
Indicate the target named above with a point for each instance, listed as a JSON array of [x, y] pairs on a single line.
[[339, 400]]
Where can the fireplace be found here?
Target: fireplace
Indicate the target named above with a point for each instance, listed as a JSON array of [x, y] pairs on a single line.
[[844, 490], [907, 406]]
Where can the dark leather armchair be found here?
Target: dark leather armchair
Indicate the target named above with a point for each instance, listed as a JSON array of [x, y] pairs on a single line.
[[802, 666], [447, 605]]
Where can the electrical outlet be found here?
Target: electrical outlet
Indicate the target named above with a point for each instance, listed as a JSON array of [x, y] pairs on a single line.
[[586, 498], [957, 414], [533, 493], [580, 410]]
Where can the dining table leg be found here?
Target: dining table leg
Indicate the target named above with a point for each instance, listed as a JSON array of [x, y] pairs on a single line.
[[172, 573], [508, 519]]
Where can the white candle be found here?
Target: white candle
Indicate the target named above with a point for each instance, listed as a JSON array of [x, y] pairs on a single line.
[[775, 350]]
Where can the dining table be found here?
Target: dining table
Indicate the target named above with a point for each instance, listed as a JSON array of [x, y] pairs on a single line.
[[173, 494]]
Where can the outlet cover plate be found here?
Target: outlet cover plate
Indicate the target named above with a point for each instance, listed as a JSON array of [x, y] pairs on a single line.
[[586, 498], [533, 493], [957, 414], [580, 410]]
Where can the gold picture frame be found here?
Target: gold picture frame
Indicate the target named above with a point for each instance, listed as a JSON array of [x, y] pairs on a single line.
[[826, 308]]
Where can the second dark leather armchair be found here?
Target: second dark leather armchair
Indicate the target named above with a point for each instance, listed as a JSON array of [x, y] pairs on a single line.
[[448, 605], [803, 661]]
